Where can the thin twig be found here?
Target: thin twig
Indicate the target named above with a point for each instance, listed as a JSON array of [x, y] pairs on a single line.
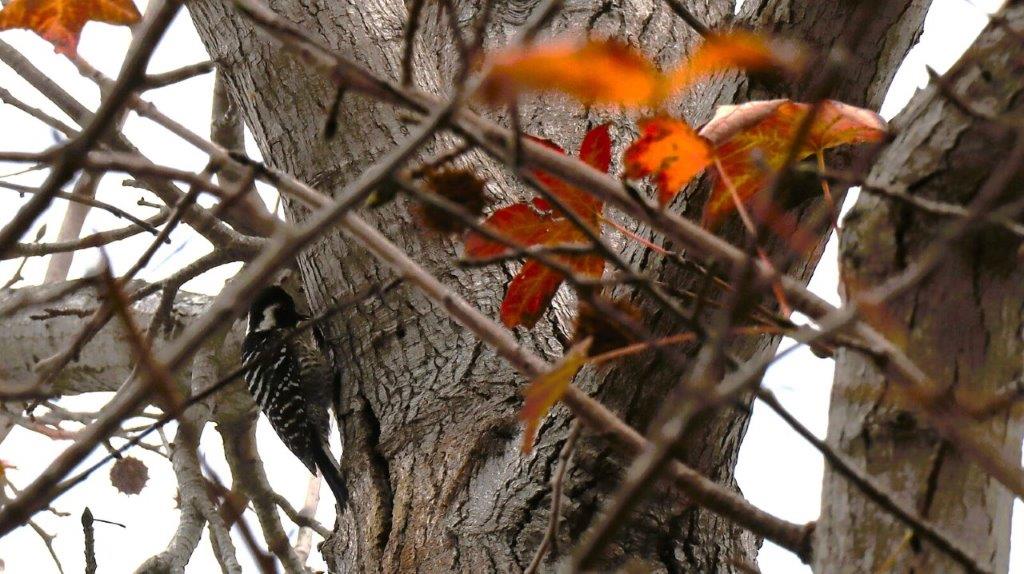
[[918, 524], [9, 99], [97, 239], [412, 26], [90, 541], [158, 18], [550, 540], [112, 209], [300, 519], [213, 230], [688, 17], [162, 80]]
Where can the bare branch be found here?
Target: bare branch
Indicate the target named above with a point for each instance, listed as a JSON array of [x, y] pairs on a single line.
[[299, 518], [215, 231], [8, 98], [412, 26], [112, 209], [922, 204], [156, 81], [227, 131], [688, 17], [917, 523], [247, 470], [254, 219], [94, 240], [304, 541], [196, 507], [71, 227], [152, 29]]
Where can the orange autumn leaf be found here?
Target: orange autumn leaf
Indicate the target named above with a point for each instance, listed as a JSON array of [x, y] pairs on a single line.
[[549, 388], [61, 21], [538, 223], [751, 142], [609, 72], [593, 71], [737, 49], [670, 150]]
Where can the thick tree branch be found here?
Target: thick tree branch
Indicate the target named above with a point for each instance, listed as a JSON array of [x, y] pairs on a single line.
[[247, 470], [71, 227]]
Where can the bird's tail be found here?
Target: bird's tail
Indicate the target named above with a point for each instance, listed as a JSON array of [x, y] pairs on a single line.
[[329, 470]]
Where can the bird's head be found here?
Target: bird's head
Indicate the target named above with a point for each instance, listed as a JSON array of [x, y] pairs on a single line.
[[273, 308]]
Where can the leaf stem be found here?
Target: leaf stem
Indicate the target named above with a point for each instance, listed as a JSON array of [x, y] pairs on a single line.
[[780, 295], [827, 190], [677, 339], [632, 235]]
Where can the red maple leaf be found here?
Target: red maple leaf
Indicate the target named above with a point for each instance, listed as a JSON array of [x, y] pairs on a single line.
[[538, 223]]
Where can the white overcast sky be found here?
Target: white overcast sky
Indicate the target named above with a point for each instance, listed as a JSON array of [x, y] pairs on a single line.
[[777, 470]]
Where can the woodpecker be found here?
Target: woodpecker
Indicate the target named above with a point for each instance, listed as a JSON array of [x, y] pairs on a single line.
[[292, 382]]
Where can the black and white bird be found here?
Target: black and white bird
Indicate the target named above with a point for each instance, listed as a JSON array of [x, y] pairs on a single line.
[[292, 382]]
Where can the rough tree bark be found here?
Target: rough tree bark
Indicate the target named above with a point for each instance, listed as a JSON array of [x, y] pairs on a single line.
[[962, 325], [430, 411]]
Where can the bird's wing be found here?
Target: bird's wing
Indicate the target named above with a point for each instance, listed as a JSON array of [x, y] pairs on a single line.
[[275, 381], [317, 383]]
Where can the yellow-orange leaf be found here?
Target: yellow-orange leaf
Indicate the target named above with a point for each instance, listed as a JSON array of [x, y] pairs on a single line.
[[751, 142], [738, 49], [609, 72], [594, 71], [670, 150], [61, 21], [548, 389]]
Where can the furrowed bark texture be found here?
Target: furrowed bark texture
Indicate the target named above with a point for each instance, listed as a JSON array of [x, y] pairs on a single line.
[[962, 325], [431, 444]]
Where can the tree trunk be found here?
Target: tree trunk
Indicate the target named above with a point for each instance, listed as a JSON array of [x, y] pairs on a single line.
[[962, 325], [431, 444]]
